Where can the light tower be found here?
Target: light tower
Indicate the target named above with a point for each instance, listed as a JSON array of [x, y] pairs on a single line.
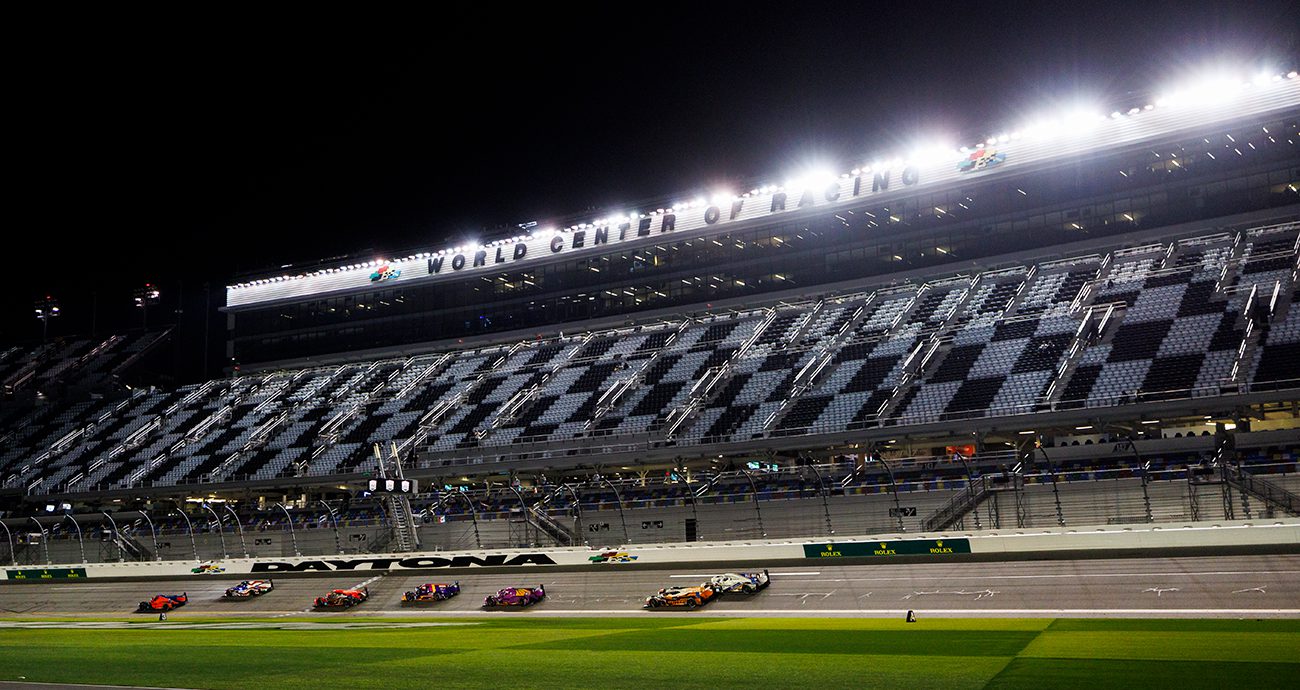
[[47, 308], [146, 296]]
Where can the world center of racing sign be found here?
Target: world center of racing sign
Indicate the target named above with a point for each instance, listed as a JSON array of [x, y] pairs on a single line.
[[874, 549], [883, 182]]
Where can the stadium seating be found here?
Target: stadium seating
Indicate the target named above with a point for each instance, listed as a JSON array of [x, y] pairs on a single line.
[[1206, 315]]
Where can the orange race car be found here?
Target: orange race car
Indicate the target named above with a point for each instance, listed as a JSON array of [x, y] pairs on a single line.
[[342, 598], [163, 603], [690, 597]]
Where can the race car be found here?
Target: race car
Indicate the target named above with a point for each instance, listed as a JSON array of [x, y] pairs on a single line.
[[249, 588], [342, 598], [431, 592], [690, 597], [745, 583], [516, 596], [163, 602]]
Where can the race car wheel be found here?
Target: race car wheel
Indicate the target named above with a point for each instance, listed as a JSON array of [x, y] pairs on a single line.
[[692, 603], [748, 589]]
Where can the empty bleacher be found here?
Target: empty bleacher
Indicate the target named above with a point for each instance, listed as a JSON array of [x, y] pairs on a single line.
[[1207, 315]]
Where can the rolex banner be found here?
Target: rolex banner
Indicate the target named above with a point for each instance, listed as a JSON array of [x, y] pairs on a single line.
[[868, 549]]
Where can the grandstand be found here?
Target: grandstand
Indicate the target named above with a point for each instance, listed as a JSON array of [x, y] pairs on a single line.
[[1073, 329]]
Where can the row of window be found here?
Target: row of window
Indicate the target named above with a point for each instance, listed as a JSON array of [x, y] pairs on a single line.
[[1093, 198]]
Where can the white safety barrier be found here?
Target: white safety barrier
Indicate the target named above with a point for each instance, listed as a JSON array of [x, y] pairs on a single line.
[[1282, 534]]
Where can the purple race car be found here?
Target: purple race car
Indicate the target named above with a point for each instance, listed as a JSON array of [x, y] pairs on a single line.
[[516, 596]]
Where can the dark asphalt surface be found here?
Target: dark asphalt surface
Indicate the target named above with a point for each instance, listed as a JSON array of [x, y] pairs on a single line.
[[1194, 587]]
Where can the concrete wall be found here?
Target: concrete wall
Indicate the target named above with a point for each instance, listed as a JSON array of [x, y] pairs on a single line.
[[1280, 535]]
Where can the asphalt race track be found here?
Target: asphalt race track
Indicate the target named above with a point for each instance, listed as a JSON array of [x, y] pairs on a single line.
[[1194, 587]]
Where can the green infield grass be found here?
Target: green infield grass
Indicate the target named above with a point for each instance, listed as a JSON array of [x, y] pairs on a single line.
[[516, 651]]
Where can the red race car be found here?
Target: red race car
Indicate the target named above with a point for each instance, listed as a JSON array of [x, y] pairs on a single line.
[[163, 602], [343, 598]]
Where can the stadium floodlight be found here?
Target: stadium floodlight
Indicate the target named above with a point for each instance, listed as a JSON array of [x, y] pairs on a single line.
[[146, 296], [47, 308], [1079, 121]]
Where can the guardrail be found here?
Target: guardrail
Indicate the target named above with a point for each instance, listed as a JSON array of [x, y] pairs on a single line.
[[1224, 536]]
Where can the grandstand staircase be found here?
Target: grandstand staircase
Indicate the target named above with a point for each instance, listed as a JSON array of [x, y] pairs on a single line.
[[966, 502], [1252, 333], [804, 326], [519, 403], [27, 372], [1272, 495], [1232, 266], [1100, 321], [704, 388], [450, 402], [546, 524], [614, 394], [123, 546], [824, 355], [405, 535], [357, 392], [141, 350], [929, 351], [329, 431], [808, 378], [434, 368], [90, 355]]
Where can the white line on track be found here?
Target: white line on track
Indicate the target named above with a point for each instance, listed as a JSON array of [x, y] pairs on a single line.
[[200, 625], [750, 613], [1051, 576], [707, 575]]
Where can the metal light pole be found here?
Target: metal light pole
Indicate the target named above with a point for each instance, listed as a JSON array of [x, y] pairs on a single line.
[[144, 297], [1145, 467], [12, 552], [81, 544], [821, 488], [221, 531], [238, 528], [893, 485], [338, 543], [577, 506], [153, 532], [524, 505], [473, 513], [46, 308], [970, 490], [117, 539], [619, 502], [757, 511], [45, 541], [189, 529], [1056, 492], [689, 497], [292, 535]]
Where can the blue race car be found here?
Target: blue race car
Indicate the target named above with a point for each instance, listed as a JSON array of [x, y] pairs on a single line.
[[429, 592], [250, 588]]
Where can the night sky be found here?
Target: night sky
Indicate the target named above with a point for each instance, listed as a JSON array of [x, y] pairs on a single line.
[[185, 151]]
